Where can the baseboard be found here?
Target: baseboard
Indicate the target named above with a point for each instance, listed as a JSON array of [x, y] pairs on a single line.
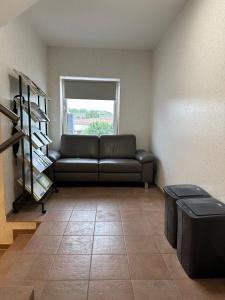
[[160, 189]]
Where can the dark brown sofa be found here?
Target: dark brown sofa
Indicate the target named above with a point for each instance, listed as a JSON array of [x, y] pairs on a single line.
[[108, 158]]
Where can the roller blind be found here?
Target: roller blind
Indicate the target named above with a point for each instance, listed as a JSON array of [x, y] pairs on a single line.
[[85, 89]]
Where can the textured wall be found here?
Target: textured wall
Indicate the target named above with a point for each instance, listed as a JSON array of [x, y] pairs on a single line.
[[22, 49], [188, 113], [132, 67]]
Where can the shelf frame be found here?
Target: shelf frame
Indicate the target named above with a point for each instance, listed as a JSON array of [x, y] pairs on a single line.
[[19, 100]]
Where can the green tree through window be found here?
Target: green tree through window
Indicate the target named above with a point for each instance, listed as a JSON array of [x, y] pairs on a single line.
[[89, 114], [98, 128]]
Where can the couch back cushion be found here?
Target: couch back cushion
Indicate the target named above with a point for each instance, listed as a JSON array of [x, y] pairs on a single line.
[[80, 146], [117, 146]]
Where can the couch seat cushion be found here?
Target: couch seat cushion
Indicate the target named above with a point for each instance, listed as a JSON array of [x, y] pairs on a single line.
[[119, 165], [76, 165]]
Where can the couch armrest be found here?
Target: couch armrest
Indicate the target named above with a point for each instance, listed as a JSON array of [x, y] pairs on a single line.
[[143, 156], [54, 155]]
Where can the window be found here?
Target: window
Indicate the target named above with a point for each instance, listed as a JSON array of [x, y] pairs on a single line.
[[90, 106]]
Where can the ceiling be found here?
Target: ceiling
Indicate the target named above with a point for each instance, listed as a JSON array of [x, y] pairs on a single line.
[[12, 8], [115, 24]]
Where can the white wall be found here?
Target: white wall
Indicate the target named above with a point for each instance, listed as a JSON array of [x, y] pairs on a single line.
[[188, 124], [132, 67], [22, 49]]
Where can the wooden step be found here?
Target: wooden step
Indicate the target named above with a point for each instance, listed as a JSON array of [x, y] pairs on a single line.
[[20, 242]]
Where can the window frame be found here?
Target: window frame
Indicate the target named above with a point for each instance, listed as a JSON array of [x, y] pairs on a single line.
[[63, 101]]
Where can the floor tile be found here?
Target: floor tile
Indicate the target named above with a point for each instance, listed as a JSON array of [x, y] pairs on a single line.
[[153, 205], [174, 266], [137, 228], [47, 244], [51, 228], [109, 245], [76, 245], [70, 267], [38, 286], [155, 216], [16, 292], [16, 271], [65, 290], [85, 205], [155, 290], [157, 222], [144, 267], [32, 261], [110, 290], [108, 205], [108, 216], [131, 215], [157, 229], [61, 204], [163, 245], [130, 205], [201, 289], [58, 215], [108, 228], [109, 267], [5, 266], [140, 244], [11, 256], [79, 228], [40, 268], [83, 215]]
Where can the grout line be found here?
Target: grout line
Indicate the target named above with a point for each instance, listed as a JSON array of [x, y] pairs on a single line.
[[127, 257], [89, 276]]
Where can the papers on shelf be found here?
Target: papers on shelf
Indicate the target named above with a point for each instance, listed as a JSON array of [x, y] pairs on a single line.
[[44, 181], [43, 157], [39, 160], [38, 189], [41, 185], [37, 114], [36, 142], [39, 139], [38, 165]]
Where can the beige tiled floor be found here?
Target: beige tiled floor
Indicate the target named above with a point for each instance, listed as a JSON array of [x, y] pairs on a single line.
[[101, 243]]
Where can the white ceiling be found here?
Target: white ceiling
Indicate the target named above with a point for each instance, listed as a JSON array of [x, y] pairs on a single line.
[[9, 9], [116, 24]]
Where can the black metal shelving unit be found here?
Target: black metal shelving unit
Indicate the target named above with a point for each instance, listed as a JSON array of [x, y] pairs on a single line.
[[30, 93]]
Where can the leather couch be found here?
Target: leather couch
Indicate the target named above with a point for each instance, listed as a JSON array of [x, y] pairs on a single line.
[[108, 158]]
